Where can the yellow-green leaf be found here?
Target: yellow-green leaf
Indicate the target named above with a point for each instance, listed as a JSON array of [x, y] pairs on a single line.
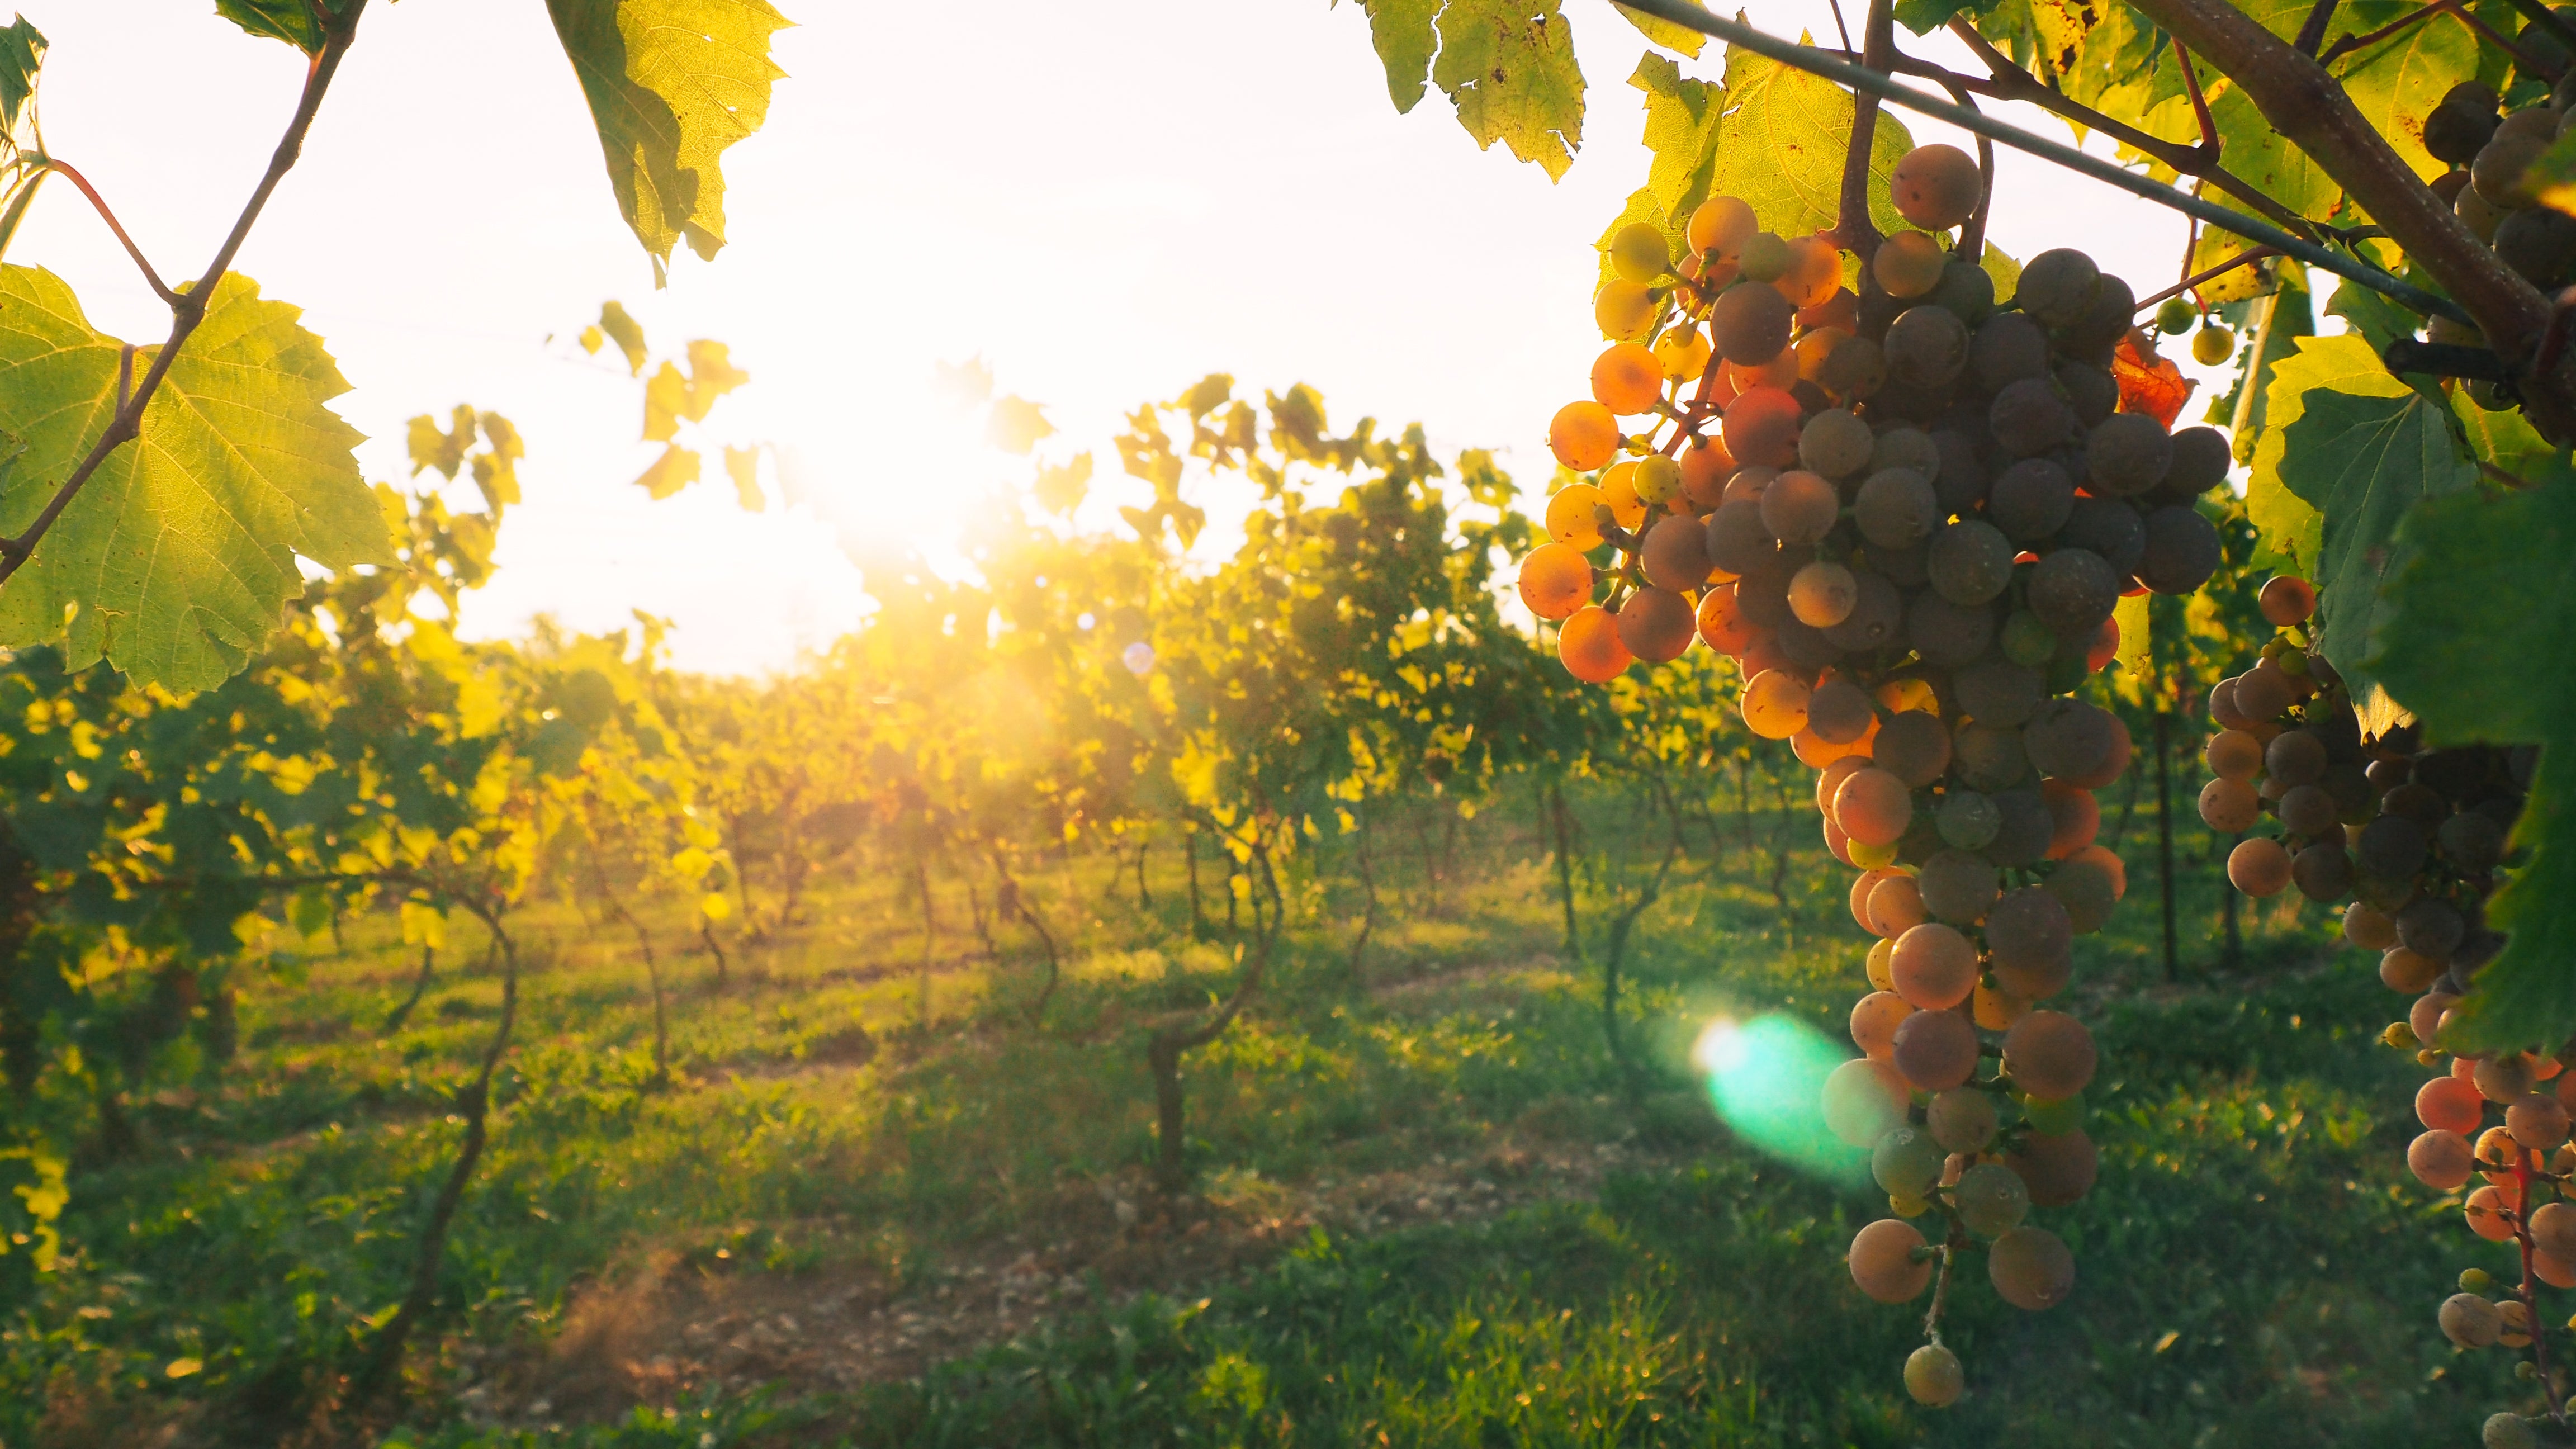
[[626, 332], [1509, 67], [1401, 32], [2288, 524], [1016, 425], [292, 21], [671, 84], [742, 465], [676, 469], [178, 557], [1782, 152], [1665, 33]]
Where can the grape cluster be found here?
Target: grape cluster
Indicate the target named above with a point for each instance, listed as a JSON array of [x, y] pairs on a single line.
[[2409, 842], [2488, 188], [1907, 510]]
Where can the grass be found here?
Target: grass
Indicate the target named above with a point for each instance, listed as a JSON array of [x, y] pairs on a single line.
[[2254, 1266]]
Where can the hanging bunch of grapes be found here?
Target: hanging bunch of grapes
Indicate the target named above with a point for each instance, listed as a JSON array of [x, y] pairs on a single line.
[[1907, 509]]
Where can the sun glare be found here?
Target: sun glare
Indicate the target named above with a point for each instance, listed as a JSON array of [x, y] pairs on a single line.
[[1766, 1078]]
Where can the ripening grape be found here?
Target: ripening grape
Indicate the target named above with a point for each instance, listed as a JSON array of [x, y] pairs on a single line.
[[1926, 346], [1935, 187], [1909, 264], [2471, 1321], [1556, 580], [2175, 316], [2450, 1104], [1874, 1021], [2071, 740], [1619, 494], [1876, 619], [1873, 807], [2537, 1121], [1935, 1050], [1913, 747], [1676, 553], [1720, 227], [1800, 507], [1968, 819], [2502, 1079], [1835, 444], [1624, 310], [1761, 426], [1877, 967], [1957, 887], [1883, 1261], [2295, 757], [1838, 314], [2086, 890], [1906, 1163], [2049, 1054], [2440, 1159], [2391, 847], [2075, 817], [2426, 1016], [1839, 712], [2287, 599], [1933, 1377], [2368, 927], [1682, 352], [1896, 508], [1992, 1199], [1627, 379], [1856, 367], [1738, 540], [1584, 436], [1588, 644], [2212, 345], [2489, 1213], [1934, 967], [1999, 692], [2031, 1268], [2472, 842], [2259, 866], [1815, 272], [1863, 1100], [1947, 634], [2058, 1167], [2073, 590], [1638, 253], [2031, 500], [1993, 1009], [1780, 372], [2263, 692], [2028, 418], [1721, 625], [1749, 323], [1775, 704], [1657, 624], [2057, 287], [1962, 1119], [1970, 562], [2432, 926], [1573, 516], [1822, 594], [2182, 551], [1988, 759], [2399, 968], [2505, 1429], [2234, 755], [2553, 1229]]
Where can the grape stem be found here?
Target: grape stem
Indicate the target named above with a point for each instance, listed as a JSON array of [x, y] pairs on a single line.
[[64, 168], [2245, 258], [1941, 1286], [2199, 103], [1853, 231], [2313, 33], [2531, 1309]]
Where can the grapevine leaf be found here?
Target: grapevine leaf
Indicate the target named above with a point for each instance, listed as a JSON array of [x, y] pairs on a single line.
[[2137, 653], [178, 557], [676, 469], [2269, 161], [1782, 152], [2362, 459], [626, 332], [1060, 486], [2152, 386], [2493, 571], [968, 383], [2505, 439], [1681, 131], [2552, 175], [671, 84], [1016, 425], [2002, 270], [1509, 67], [22, 55], [1925, 16], [292, 21], [2277, 321], [742, 465], [1401, 32], [443, 450], [1664, 32], [2214, 247], [2287, 524], [2396, 84]]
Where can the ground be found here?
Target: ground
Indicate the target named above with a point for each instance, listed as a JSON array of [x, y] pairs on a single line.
[[1428, 1210]]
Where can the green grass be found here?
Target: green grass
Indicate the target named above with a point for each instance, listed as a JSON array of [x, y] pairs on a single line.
[[2254, 1267]]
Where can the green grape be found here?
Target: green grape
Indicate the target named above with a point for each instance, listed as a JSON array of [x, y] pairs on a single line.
[[2470, 1321], [1971, 562], [1639, 254], [1767, 258], [2475, 1280], [2027, 641], [1968, 820], [1991, 1199], [2055, 1116], [2212, 345], [1906, 1163], [2508, 1430], [1933, 1376], [2175, 317]]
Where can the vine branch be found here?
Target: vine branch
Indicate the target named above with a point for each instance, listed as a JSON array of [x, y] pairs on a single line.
[[108, 215], [187, 309], [2245, 258]]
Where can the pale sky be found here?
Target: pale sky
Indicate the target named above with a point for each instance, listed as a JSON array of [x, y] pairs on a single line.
[[1105, 202]]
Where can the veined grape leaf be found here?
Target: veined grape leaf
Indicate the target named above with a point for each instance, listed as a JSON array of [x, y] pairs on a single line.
[[2487, 579], [676, 469], [1682, 121], [671, 84], [1664, 32], [742, 465], [177, 558], [2288, 523], [2396, 84], [2002, 270], [1509, 67], [626, 332], [1782, 151], [2267, 160], [292, 21], [2277, 321], [1401, 32], [2505, 439], [22, 55], [2362, 459], [1016, 425]]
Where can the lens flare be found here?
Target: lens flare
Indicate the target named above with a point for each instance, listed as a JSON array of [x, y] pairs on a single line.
[[1766, 1077]]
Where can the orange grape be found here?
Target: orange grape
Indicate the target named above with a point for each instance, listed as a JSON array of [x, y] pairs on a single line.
[[1761, 426], [2259, 866], [1909, 264], [2450, 1104], [2031, 1268], [2050, 1055], [1895, 906], [1588, 644], [1883, 1261], [2287, 600], [1627, 379], [1720, 227], [2440, 1159], [1935, 1050], [1775, 704], [1780, 371], [1815, 272], [1584, 436], [2234, 755], [1874, 807], [1721, 623], [1676, 554], [1682, 351], [1874, 1022], [1619, 492], [1571, 518], [1935, 187], [2228, 806], [1556, 580], [1706, 466], [1827, 782], [1656, 624], [1837, 313], [2074, 818], [1816, 752], [2490, 1215], [1934, 966]]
